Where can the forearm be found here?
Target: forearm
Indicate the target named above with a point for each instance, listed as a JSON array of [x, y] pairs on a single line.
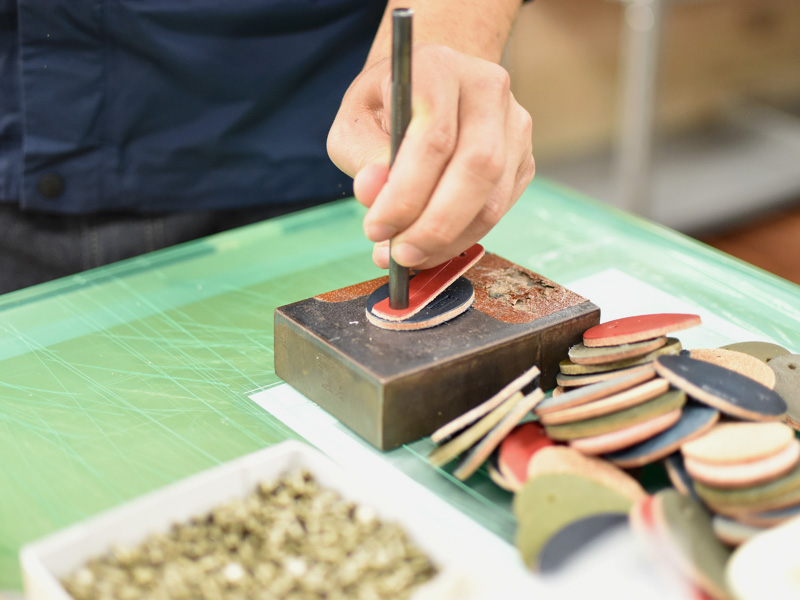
[[475, 27]]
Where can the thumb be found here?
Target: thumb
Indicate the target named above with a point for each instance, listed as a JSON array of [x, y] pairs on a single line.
[[359, 135], [360, 147], [369, 181], [359, 142]]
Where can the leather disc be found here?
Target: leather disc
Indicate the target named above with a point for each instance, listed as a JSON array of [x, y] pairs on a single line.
[[766, 566], [743, 475], [725, 390], [569, 540], [637, 329], [695, 420], [452, 302]]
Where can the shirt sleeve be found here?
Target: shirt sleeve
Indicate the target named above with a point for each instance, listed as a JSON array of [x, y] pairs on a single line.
[[156, 106]]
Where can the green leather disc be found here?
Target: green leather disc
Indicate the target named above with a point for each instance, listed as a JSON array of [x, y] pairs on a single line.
[[754, 499], [548, 503], [583, 355], [568, 367], [764, 351], [699, 553], [618, 420]]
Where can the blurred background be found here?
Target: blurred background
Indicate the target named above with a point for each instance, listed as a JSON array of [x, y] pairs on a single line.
[[683, 111]]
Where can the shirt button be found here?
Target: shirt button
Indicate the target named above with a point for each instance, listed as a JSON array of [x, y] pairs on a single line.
[[50, 186]]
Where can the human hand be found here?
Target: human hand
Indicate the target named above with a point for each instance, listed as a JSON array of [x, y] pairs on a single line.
[[465, 158]]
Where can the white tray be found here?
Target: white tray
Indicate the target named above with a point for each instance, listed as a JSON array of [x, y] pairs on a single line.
[[45, 561]]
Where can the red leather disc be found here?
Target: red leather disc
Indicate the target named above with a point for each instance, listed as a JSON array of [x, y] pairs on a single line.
[[517, 449], [637, 329], [428, 284]]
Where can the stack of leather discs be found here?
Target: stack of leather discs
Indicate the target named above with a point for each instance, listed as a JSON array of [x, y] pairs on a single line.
[[630, 396], [612, 415], [748, 474], [615, 404], [620, 347], [476, 434], [675, 407]]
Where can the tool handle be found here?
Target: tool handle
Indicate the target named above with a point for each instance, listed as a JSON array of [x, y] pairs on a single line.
[[401, 115]]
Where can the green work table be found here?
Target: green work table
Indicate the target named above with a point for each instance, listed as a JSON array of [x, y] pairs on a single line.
[[123, 379]]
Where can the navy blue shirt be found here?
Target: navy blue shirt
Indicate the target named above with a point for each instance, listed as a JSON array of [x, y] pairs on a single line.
[[148, 105]]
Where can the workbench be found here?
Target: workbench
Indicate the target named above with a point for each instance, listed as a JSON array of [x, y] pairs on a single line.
[[122, 379]]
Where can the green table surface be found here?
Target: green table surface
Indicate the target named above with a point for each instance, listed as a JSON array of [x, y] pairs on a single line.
[[122, 379]]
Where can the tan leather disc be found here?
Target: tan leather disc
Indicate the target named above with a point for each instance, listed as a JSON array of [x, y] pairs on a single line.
[[733, 443], [747, 365], [742, 475]]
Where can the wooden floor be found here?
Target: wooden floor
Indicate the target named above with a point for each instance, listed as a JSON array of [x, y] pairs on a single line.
[[771, 242]]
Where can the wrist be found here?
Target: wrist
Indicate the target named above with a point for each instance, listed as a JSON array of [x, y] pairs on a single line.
[[474, 27]]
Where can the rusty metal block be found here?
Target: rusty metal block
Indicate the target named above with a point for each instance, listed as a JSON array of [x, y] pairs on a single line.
[[392, 387]]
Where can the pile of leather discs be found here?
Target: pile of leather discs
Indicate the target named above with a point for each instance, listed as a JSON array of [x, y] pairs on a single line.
[[620, 347], [630, 396], [291, 538], [477, 433], [746, 473]]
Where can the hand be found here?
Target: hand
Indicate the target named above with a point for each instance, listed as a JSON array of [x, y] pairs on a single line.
[[465, 158]]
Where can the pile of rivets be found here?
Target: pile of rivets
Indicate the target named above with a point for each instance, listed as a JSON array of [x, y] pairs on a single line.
[[289, 539]]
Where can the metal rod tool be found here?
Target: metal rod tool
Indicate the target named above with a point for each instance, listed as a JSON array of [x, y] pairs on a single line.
[[401, 115]]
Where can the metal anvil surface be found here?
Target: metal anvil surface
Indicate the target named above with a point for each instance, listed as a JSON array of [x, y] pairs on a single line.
[[392, 387]]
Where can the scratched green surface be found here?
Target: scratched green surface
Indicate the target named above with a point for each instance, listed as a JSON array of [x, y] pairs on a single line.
[[122, 379]]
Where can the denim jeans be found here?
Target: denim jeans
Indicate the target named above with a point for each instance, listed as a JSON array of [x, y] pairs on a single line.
[[37, 247]]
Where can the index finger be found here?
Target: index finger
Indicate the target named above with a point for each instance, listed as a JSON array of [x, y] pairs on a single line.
[[471, 177], [423, 156]]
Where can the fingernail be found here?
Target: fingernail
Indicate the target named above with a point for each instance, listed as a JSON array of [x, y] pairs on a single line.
[[379, 232], [408, 255]]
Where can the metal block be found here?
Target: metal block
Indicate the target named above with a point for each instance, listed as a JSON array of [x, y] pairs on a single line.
[[392, 387]]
